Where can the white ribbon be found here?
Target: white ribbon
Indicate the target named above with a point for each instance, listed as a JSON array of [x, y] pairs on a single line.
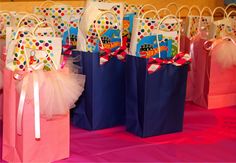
[[24, 88]]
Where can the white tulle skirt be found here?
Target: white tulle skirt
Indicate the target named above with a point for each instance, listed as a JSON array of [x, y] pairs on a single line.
[[59, 90]]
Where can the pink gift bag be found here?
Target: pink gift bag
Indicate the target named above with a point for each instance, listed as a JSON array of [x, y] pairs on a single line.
[[54, 141], [185, 47], [213, 86], [2, 56]]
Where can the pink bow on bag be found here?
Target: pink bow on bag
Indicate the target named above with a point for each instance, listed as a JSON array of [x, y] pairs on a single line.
[[155, 64]]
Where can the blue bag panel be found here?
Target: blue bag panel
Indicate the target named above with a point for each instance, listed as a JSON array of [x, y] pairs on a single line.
[[155, 103], [102, 104]]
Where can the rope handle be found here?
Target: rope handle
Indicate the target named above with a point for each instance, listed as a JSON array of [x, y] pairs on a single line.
[[230, 13], [196, 8], [230, 5], [45, 23], [43, 4], [32, 16], [165, 10], [218, 8], [151, 11], [172, 4], [145, 6], [204, 9], [180, 9], [96, 28]]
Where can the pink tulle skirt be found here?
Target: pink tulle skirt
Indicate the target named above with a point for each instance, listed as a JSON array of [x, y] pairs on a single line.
[[59, 90]]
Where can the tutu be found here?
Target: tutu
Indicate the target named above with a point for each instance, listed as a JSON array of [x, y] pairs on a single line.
[[59, 90]]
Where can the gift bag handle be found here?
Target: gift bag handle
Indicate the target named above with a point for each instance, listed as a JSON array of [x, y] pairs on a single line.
[[96, 28], [24, 30], [2, 13], [230, 13], [151, 11], [216, 9], [165, 10], [180, 9], [230, 5], [196, 8], [144, 6], [158, 28], [43, 4], [204, 9], [172, 4], [32, 16], [45, 23]]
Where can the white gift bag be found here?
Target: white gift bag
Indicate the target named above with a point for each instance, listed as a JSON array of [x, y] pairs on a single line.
[[86, 29], [34, 49]]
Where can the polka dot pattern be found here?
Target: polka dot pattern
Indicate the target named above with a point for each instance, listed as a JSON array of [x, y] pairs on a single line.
[[194, 23], [5, 21], [62, 17], [131, 8], [27, 42], [103, 24]]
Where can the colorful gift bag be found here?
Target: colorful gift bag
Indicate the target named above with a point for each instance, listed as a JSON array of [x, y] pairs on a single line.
[[87, 35], [130, 12], [54, 141], [220, 28], [41, 92], [201, 31], [5, 20], [144, 42], [104, 94], [214, 86], [63, 17], [232, 20], [155, 90]]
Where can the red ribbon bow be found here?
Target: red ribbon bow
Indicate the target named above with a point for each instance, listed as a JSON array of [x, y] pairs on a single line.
[[119, 53], [180, 59]]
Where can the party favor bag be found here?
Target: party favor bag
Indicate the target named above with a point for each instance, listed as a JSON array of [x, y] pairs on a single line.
[[130, 12], [33, 131], [63, 17], [54, 141], [86, 33], [214, 84], [143, 41], [104, 94], [220, 28], [156, 88]]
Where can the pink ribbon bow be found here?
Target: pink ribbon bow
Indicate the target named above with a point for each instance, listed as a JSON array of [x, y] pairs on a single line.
[[119, 53], [180, 59]]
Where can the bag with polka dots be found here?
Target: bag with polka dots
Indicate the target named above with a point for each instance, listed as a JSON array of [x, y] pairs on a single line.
[[5, 21], [25, 28], [131, 10], [222, 27], [63, 17], [148, 31], [87, 34], [27, 49]]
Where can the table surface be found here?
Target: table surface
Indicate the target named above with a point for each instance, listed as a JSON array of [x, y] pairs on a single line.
[[208, 135]]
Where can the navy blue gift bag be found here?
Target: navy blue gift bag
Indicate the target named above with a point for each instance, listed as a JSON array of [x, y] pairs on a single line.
[[156, 78], [154, 102], [102, 105]]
